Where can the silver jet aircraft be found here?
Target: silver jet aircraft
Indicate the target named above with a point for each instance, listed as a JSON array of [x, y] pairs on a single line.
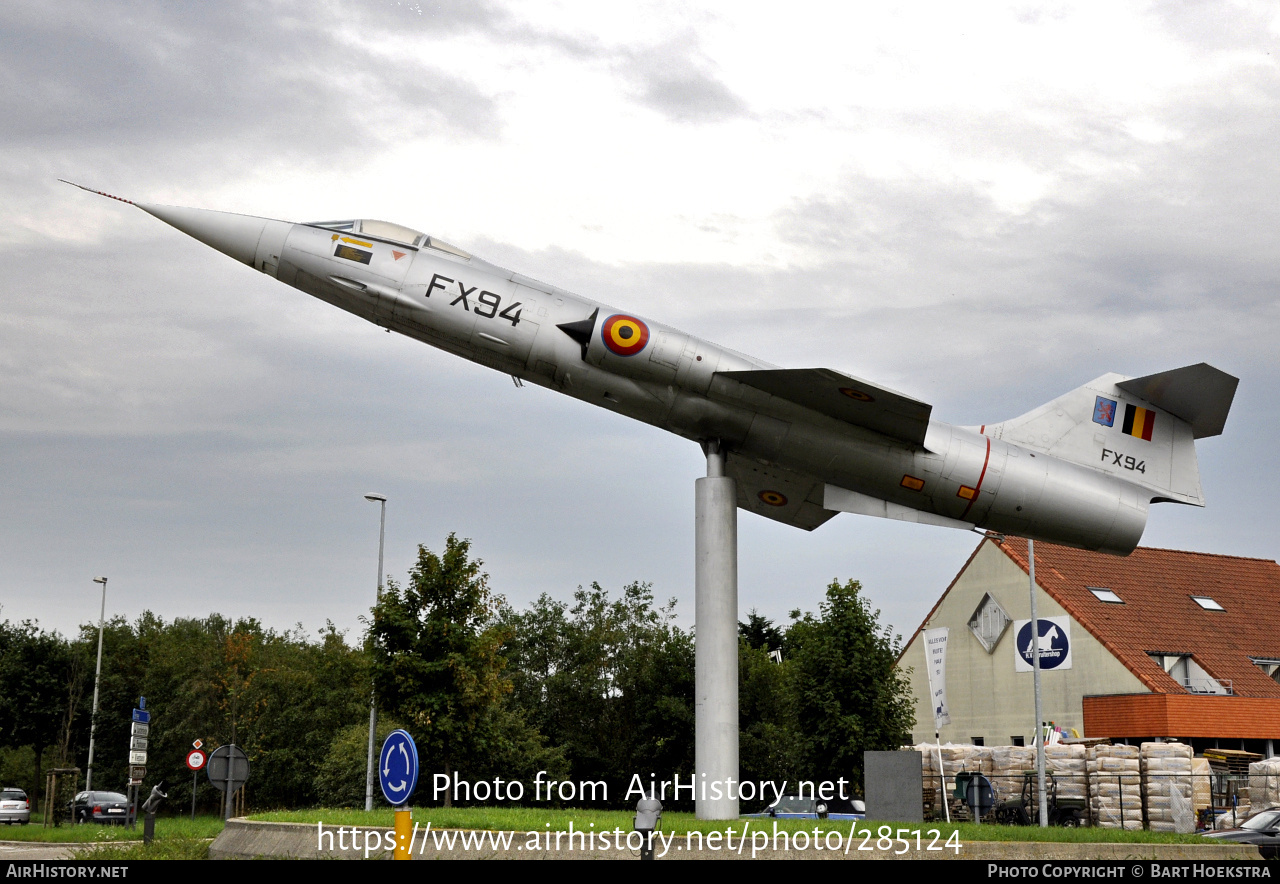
[[802, 444]]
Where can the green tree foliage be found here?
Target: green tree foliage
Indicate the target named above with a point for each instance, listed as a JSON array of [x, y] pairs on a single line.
[[770, 743], [340, 778], [600, 687], [760, 633], [41, 681], [437, 666], [281, 695], [608, 679], [849, 696]]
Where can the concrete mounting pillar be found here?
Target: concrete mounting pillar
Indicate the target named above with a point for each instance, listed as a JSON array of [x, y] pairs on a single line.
[[716, 641]]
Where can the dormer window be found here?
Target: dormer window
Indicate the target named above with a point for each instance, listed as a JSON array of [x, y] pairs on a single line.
[[1183, 669], [1269, 665]]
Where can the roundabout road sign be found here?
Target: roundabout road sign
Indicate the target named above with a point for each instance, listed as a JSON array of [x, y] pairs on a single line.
[[195, 759], [398, 767]]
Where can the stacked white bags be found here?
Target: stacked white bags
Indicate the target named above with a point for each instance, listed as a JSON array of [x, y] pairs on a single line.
[[1166, 782], [955, 758], [1007, 765], [1070, 769], [1115, 786], [1264, 783]]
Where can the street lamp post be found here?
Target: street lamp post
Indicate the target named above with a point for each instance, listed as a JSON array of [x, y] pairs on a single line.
[[97, 677], [373, 705]]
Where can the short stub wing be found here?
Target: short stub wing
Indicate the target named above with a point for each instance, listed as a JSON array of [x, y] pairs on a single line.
[[778, 494], [844, 398], [847, 501]]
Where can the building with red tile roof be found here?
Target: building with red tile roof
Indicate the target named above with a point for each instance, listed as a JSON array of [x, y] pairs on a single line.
[[1162, 644]]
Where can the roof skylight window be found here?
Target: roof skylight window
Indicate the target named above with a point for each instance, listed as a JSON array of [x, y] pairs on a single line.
[[1102, 594], [1207, 603]]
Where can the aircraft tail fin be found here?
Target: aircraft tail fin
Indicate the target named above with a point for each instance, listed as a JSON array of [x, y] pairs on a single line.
[[1142, 430]]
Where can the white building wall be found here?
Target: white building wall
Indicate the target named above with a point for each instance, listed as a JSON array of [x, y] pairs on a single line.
[[986, 697]]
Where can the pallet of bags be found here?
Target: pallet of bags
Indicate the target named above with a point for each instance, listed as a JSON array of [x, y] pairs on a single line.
[[1264, 783], [1008, 763], [1070, 768], [1166, 787], [1115, 786], [955, 758], [929, 774]]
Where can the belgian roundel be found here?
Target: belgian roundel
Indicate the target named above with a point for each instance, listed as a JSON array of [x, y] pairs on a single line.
[[624, 335], [857, 394], [773, 498]]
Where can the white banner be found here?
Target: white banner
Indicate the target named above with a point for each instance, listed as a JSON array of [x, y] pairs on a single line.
[[1055, 644], [935, 645]]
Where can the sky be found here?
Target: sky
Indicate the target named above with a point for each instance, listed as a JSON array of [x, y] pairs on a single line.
[[981, 205]]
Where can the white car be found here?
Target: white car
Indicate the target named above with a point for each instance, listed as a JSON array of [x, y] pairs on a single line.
[[14, 807]]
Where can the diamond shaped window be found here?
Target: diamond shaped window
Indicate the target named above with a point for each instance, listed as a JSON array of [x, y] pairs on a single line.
[[989, 622]]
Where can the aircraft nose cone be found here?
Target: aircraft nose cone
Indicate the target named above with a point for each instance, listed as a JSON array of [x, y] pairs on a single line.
[[231, 234]]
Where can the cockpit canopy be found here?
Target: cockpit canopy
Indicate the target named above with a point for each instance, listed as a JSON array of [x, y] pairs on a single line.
[[385, 230]]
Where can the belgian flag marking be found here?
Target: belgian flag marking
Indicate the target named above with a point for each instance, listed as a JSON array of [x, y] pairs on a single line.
[[1139, 422], [624, 335], [773, 498]]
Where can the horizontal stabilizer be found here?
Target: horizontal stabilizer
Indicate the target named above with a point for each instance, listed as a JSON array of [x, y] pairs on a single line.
[[844, 398], [782, 495], [1198, 394]]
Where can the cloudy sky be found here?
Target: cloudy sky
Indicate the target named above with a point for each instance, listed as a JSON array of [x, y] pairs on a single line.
[[983, 205]]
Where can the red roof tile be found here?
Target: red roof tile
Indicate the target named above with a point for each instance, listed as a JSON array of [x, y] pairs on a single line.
[[1158, 614]]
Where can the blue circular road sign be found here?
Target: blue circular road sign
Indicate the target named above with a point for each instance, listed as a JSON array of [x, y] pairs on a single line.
[[398, 767]]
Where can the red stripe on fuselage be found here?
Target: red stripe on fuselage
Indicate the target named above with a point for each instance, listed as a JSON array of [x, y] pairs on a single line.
[[978, 488]]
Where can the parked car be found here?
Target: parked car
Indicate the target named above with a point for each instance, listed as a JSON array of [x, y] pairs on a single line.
[[795, 807], [14, 807], [1261, 829], [100, 807]]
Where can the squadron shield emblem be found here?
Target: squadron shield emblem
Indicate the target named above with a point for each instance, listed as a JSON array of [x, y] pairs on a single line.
[[624, 335]]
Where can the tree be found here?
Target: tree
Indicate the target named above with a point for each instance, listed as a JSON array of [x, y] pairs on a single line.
[[849, 695], [40, 678], [436, 660], [769, 741], [759, 632], [608, 679]]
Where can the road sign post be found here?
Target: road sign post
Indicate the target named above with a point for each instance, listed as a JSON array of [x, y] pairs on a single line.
[[227, 769], [139, 733], [398, 776], [195, 761]]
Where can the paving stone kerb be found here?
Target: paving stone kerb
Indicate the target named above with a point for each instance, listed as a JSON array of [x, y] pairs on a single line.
[[252, 839]]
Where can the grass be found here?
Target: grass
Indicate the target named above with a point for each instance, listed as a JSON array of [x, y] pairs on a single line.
[[170, 848], [167, 828], [525, 819]]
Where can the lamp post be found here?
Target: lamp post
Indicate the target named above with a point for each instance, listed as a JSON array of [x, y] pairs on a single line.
[[1042, 795], [97, 677], [373, 706]]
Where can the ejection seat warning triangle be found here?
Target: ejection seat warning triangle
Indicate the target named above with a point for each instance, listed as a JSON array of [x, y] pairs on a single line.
[[398, 768]]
